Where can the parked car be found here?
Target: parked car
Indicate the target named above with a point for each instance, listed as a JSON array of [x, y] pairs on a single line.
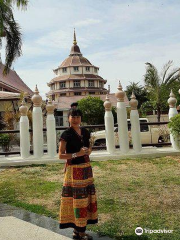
[[149, 134]]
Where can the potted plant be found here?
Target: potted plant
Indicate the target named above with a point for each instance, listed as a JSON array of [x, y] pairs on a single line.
[[174, 126], [5, 142]]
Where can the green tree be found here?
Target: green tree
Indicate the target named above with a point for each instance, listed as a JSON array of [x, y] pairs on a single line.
[[93, 110], [139, 91], [10, 30], [158, 85]]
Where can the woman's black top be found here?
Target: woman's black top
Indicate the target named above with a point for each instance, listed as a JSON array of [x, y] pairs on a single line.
[[75, 142]]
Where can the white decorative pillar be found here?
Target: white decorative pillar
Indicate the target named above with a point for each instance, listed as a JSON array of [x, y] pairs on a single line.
[[109, 126], [37, 124], [51, 129], [135, 124], [24, 131], [172, 112], [122, 121]]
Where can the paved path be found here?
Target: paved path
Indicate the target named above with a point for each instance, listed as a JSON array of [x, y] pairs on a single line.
[[16, 229], [20, 224]]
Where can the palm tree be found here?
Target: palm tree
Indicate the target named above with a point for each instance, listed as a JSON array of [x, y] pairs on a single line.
[[139, 91], [10, 30], [157, 85]]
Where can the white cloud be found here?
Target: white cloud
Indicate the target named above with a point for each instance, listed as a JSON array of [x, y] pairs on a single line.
[[128, 63], [40, 77], [87, 22], [58, 39], [118, 36]]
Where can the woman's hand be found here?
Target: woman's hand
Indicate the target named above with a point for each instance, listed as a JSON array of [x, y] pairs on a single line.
[[89, 151], [83, 151]]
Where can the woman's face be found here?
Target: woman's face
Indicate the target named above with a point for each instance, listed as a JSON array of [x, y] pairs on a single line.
[[74, 121]]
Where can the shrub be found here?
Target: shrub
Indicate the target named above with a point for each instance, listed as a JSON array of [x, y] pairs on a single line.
[[174, 125], [4, 141]]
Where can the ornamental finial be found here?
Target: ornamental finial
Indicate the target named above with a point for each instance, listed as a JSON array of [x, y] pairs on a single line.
[[107, 103], [74, 42], [172, 100], [120, 94], [133, 102]]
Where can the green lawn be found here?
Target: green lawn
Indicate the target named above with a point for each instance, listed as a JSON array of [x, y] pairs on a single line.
[[131, 193]]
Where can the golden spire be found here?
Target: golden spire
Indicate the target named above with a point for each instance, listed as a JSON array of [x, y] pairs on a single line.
[[74, 42]]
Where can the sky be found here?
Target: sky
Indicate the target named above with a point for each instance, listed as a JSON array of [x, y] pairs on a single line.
[[118, 36]]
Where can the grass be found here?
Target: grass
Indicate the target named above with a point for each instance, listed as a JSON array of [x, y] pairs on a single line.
[[131, 193]]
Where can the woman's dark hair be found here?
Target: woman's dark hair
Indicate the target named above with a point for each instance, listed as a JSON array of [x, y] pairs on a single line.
[[74, 112], [74, 104]]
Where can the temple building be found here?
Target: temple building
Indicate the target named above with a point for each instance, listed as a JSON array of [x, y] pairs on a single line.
[[11, 87], [75, 79]]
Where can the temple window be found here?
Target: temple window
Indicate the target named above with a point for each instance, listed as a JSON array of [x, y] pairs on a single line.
[[90, 83], [64, 69], [100, 84], [87, 69], [62, 84], [77, 93], [77, 83], [76, 69]]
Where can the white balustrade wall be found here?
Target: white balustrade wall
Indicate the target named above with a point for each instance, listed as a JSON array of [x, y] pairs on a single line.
[[109, 126]]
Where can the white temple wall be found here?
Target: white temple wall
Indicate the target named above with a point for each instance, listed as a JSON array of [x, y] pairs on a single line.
[[153, 118]]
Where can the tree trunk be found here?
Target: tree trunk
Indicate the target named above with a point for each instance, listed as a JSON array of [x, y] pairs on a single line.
[[158, 114]]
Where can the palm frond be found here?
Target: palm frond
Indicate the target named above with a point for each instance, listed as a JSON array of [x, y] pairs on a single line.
[[151, 78], [166, 68], [173, 79], [21, 4], [171, 75], [12, 34]]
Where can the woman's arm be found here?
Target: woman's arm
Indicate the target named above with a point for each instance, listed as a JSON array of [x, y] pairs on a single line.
[[89, 150], [64, 155]]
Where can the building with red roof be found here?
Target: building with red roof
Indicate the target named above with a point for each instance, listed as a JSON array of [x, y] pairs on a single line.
[[11, 86]]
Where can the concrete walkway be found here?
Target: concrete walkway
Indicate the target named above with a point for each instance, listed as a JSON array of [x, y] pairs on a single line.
[[101, 155], [12, 228], [19, 224]]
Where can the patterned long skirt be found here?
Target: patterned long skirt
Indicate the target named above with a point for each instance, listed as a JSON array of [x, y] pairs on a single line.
[[78, 200]]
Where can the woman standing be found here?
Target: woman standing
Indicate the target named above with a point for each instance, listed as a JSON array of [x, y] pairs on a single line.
[[78, 201]]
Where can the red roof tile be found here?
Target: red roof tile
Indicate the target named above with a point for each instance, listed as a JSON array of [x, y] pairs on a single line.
[[13, 82], [76, 61]]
